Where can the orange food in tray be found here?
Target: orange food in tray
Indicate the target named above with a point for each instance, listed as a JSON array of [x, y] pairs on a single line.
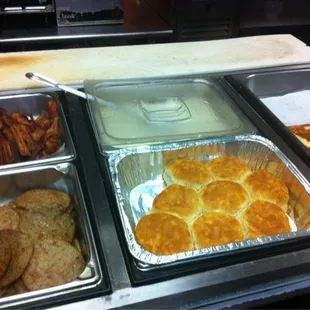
[[228, 168], [224, 196], [163, 234], [178, 200], [215, 208], [23, 137], [263, 218], [214, 228], [302, 132], [187, 172]]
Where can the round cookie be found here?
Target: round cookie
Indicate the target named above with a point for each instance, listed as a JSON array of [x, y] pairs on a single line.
[[43, 200], [178, 200], [9, 219], [5, 255], [47, 225], [21, 248], [54, 262], [163, 234], [15, 288]]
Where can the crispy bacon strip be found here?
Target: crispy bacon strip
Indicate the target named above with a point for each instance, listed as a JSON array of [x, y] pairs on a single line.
[[8, 154], [21, 135], [38, 134], [8, 134], [52, 109], [20, 119], [43, 122], [24, 141], [52, 145], [7, 119], [54, 130], [52, 138]]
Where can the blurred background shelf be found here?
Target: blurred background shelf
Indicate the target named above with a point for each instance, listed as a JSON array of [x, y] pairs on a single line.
[[161, 21]]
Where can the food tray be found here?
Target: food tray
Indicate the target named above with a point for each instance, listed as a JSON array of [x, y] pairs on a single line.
[[34, 104], [60, 177], [137, 178]]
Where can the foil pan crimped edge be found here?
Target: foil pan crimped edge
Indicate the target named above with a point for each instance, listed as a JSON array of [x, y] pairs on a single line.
[[148, 258]]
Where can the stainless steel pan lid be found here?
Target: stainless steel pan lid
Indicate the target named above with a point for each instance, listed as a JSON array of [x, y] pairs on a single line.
[[136, 112]]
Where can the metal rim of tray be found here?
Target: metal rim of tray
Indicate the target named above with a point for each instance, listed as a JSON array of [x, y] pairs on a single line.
[[146, 258]]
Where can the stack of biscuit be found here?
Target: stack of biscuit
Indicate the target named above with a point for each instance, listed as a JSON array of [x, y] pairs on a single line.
[[38, 248], [214, 203]]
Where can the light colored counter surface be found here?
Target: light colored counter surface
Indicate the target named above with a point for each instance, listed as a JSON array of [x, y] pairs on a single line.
[[76, 65], [232, 285]]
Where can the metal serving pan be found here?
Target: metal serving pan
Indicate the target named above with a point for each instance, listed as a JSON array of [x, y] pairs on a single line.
[[280, 98], [137, 178], [61, 177], [130, 112], [34, 104], [281, 91]]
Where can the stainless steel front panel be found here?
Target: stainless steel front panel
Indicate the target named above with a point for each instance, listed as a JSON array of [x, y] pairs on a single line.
[[34, 104], [60, 177], [137, 178]]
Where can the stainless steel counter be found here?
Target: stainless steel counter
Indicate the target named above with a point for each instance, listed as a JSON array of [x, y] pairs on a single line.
[[248, 283], [82, 32], [241, 284]]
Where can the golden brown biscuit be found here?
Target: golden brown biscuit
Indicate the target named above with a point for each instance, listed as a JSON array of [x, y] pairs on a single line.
[[43, 200], [163, 234], [47, 225], [215, 228], [228, 168], [178, 200], [5, 254], [262, 185], [263, 218], [22, 248], [188, 172], [54, 262], [224, 196], [9, 219]]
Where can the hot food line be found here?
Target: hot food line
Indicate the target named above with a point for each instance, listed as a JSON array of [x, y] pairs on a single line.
[[165, 173]]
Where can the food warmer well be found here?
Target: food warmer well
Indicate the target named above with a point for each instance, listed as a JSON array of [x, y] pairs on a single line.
[[117, 139]]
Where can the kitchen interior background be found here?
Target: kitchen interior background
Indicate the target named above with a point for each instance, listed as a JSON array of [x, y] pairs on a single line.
[[38, 25], [144, 21]]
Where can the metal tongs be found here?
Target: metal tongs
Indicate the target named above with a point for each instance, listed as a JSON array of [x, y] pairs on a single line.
[[37, 77]]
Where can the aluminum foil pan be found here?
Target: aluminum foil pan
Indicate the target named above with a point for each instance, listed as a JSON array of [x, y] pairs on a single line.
[[137, 178]]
